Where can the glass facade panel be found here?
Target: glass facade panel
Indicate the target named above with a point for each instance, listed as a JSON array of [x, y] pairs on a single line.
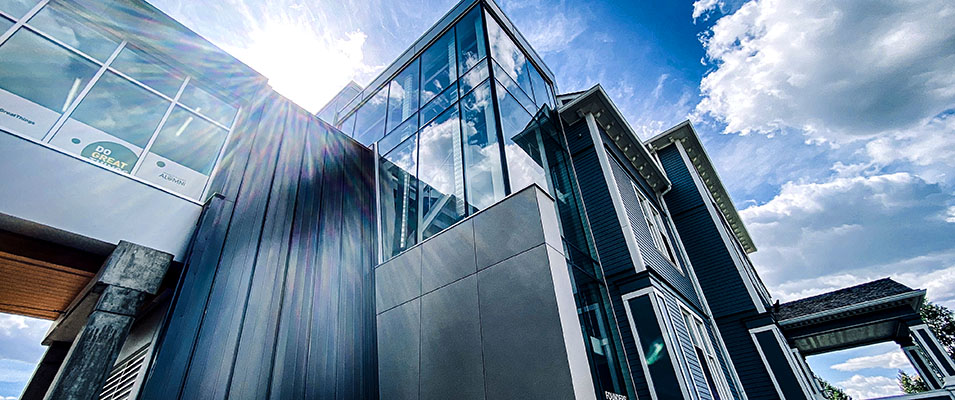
[[655, 353], [438, 67], [514, 89], [482, 154], [522, 145], [5, 24], [66, 28], [16, 8], [137, 65], [370, 123], [403, 96], [542, 93], [470, 40], [510, 57], [598, 330], [113, 123], [399, 198], [398, 135], [348, 125], [474, 77], [439, 104], [207, 104], [440, 170], [184, 153], [38, 81]]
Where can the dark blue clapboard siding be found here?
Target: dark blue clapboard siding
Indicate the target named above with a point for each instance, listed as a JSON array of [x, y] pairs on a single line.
[[652, 256], [721, 357], [276, 297], [716, 271], [687, 349]]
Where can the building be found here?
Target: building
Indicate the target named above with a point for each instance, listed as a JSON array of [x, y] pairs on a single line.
[[456, 229]]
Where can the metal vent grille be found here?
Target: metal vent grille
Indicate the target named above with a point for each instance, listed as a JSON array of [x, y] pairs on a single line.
[[122, 379]]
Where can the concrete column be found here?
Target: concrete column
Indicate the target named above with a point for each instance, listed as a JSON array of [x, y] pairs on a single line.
[[129, 276], [46, 371], [934, 350]]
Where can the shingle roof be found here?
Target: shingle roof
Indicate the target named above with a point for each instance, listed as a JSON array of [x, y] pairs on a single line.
[[840, 298]]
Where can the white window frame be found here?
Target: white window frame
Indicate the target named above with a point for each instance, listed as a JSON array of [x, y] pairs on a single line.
[[656, 225], [701, 340]]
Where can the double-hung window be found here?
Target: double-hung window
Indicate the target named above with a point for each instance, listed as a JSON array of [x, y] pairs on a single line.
[[657, 228], [705, 352]]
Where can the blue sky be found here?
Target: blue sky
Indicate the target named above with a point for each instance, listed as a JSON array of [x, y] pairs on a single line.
[[832, 125]]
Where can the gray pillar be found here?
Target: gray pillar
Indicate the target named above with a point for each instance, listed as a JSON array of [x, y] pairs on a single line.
[[46, 371], [130, 274]]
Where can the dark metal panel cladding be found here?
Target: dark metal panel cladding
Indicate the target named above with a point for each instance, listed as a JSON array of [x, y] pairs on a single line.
[[277, 295]]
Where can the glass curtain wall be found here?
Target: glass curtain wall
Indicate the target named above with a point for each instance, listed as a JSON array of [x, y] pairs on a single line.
[[67, 85]]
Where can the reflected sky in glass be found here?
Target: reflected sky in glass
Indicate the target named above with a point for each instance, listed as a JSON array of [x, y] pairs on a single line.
[[140, 67], [440, 172], [16, 8], [207, 104], [5, 24], [117, 106], [189, 140], [520, 144], [66, 28], [482, 155], [41, 71], [399, 201], [370, 123], [438, 67], [470, 40], [403, 96]]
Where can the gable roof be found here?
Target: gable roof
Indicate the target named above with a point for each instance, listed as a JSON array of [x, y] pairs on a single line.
[[882, 289], [596, 101], [694, 148]]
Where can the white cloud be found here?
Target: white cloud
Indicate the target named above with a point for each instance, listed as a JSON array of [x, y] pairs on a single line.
[[549, 27], [704, 7], [891, 360], [814, 237], [867, 387], [837, 71], [20, 338]]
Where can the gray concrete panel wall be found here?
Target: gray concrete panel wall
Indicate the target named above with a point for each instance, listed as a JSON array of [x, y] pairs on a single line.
[[483, 310]]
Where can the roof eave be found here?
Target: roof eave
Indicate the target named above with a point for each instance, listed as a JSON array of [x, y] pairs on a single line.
[[611, 120], [685, 133]]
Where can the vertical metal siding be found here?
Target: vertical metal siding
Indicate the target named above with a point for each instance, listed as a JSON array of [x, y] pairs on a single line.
[[276, 296]]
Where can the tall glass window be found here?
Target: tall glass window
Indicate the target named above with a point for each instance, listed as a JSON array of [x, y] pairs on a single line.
[[182, 157], [514, 89], [521, 144], [403, 96], [113, 123], [470, 40], [510, 57], [440, 169], [399, 198], [482, 155], [653, 346], [370, 123], [38, 82], [439, 104], [541, 89], [438, 67], [207, 104]]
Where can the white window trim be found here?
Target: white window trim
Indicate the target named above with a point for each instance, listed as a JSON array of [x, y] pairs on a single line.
[[655, 296], [786, 353], [658, 233], [709, 351]]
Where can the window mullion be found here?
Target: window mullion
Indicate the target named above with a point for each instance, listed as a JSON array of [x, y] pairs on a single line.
[[162, 122], [79, 97]]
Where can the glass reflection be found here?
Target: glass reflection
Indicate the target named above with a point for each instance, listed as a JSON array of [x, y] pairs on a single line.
[[137, 65], [398, 135], [115, 108], [482, 155], [348, 125], [207, 104], [190, 141], [370, 123], [38, 81], [470, 40], [511, 58], [541, 88], [399, 198], [439, 104], [514, 89], [521, 144], [5, 24], [440, 171], [474, 77], [68, 29], [654, 348], [16, 8], [438, 67], [403, 96]]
